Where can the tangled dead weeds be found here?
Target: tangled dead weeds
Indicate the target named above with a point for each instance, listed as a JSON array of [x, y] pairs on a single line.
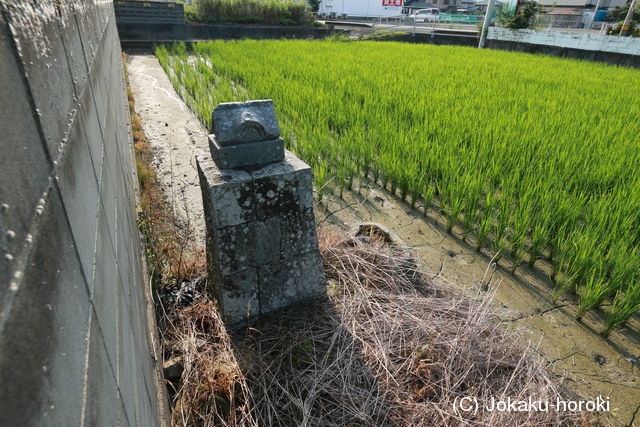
[[387, 347]]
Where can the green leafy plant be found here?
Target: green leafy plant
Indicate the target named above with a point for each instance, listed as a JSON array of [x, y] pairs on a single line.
[[618, 14], [524, 15]]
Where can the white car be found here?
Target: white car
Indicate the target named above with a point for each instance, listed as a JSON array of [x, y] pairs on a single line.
[[425, 15]]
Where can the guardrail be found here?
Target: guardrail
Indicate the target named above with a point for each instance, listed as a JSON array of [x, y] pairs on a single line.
[[460, 18]]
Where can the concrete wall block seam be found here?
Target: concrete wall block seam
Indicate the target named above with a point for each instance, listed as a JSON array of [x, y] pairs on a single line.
[[44, 323], [76, 180], [24, 148]]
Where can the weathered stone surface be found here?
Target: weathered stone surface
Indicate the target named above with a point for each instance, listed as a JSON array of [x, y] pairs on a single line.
[[240, 293], [289, 281], [282, 188], [268, 237], [232, 191], [262, 246], [246, 154], [240, 122], [245, 134], [236, 247], [298, 233]]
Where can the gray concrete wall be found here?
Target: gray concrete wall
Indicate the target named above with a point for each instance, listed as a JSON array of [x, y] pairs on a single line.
[[582, 41], [149, 12], [136, 32], [75, 343]]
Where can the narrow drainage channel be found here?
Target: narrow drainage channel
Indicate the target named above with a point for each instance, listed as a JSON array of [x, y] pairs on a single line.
[[176, 136]]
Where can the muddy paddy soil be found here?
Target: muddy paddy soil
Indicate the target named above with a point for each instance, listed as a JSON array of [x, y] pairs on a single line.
[[590, 365]]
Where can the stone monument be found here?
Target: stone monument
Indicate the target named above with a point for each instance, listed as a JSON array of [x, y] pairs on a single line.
[[262, 247]]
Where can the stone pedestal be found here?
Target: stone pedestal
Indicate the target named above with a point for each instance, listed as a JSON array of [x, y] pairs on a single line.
[[262, 247]]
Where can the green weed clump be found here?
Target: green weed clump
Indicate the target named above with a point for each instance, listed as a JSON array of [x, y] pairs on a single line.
[[278, 12], [533, 157]]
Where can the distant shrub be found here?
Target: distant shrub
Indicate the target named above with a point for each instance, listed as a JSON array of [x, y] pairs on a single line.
[[618, 14], [633, 32], [525, 15], [287, 21], [280, 12]]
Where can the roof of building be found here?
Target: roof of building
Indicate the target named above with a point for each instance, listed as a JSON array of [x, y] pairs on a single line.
[[485, 2]]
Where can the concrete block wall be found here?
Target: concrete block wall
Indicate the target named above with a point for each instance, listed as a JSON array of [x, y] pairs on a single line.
[[75, 331], [623, 51], [131, 33]]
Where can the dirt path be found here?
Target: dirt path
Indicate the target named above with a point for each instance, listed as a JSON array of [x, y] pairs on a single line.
[[591, 366], [175, 134]]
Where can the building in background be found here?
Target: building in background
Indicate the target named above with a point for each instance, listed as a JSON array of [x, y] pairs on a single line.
[[575, 13], [568, 13], [361, 8]]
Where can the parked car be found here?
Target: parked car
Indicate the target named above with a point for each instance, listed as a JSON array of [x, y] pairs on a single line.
[[425, 15]]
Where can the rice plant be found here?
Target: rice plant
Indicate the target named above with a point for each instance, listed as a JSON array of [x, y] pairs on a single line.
[[625, 304], [534, 157]]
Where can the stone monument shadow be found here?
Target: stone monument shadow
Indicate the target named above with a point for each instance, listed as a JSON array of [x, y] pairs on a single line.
[[304, 367]]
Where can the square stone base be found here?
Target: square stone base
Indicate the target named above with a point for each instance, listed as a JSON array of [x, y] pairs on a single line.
[[262, 246]]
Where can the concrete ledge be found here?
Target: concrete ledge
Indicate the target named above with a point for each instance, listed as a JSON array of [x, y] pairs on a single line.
[[437, 39]]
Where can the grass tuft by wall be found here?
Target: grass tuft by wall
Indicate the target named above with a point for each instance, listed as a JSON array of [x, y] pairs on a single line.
[[273, 12]]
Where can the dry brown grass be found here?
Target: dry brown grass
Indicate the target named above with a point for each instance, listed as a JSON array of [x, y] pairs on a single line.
[[212, 388], [386, 348]]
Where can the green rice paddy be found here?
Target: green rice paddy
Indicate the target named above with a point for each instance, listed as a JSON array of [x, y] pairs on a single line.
[[531, 156]]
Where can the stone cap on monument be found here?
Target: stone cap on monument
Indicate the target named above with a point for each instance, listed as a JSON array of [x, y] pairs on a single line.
[[245, 134]]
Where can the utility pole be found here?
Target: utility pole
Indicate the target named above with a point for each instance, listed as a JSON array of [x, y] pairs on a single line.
[[593, 17], [487, 21], [626, 26]]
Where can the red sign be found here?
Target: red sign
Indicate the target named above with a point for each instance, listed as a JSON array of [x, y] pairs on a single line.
[[392, 2]]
